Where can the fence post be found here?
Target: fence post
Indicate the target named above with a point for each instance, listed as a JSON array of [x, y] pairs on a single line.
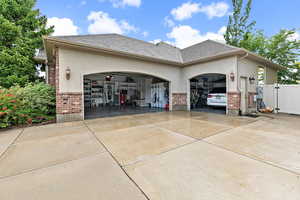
[[277, 98]]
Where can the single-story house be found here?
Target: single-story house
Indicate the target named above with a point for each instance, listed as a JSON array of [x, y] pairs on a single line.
[[93, 74]]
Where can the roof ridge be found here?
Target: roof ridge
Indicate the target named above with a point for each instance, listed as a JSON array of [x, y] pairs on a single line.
[[227, 45], [61, 36], [116, 34], [195, 44]]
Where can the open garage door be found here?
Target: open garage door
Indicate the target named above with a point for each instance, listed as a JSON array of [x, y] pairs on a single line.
[[113, 94], [208, 93]]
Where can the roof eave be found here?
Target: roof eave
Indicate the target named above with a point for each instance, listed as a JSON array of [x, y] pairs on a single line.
[[108, 51], [236, 52], [215, 57], [263, 60]]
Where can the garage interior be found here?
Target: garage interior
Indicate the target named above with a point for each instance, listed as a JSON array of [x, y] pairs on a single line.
[[114, 94], [208, 85]]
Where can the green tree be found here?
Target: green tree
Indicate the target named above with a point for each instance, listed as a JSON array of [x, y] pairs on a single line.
[[21, 31], [280, 48], [239, 28]]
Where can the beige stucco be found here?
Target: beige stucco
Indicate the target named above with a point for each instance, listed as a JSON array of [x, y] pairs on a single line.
[[248, 68], [85, 62], [270, 75], [223, 66]]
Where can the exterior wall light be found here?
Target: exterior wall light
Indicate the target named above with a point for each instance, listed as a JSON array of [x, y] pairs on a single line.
[[231, 75], [108, 78], [251, 79], [68, 73]]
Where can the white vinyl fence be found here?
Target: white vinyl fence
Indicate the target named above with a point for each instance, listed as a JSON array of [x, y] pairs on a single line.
[[283, 98]]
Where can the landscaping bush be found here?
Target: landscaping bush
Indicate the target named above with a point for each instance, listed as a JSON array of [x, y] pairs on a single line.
[[33, 103]]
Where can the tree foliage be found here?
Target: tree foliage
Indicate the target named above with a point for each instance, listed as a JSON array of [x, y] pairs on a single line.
[[280, 48], [238, 27], [21, 31], [33, 103]]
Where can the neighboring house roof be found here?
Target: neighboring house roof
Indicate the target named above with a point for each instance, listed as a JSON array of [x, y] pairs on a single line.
[[161, 52]]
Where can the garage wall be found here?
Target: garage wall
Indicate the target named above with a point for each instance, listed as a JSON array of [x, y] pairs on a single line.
[[83, 62], [270, 76], [248, 68], [222, 66]]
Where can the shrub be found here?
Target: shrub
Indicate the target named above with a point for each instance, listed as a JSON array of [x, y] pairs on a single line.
[[33, 103]]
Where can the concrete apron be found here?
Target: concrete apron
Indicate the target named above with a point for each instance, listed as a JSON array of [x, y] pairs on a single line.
[[176, 155]]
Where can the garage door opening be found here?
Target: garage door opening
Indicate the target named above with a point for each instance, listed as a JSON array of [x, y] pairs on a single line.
[[114, 94], [208, 93]]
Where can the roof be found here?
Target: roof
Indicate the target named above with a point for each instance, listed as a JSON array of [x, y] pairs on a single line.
[[160, 52]]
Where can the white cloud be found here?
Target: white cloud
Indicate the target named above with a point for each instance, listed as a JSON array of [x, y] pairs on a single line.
[[156, 41], [185, 36], [295, 36], [123, 3], [62, 26], [82, 3], [169, 22], [186, 10], [127, 28], [215, 10], [103, 23], [135, 3], [145, 33]]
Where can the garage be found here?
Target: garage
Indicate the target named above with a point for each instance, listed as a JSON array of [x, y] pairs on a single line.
[[208, 93], [119, 93]]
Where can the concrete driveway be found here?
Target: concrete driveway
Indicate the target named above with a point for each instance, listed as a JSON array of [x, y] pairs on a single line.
[[155, 156]]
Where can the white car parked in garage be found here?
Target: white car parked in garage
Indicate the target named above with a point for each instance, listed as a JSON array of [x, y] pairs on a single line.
[[217, 97]]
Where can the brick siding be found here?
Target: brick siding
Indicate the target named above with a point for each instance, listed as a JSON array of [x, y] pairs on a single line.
[[68, 103], [234, 100], [251, 102], [51, 74], [179, 99]]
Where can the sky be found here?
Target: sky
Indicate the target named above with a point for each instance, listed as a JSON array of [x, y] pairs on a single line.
[[179, 22]]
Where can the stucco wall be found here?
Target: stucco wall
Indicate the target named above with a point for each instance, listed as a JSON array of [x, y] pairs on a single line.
[[270, 76], [83, 62], [223, 66], [248, 68]]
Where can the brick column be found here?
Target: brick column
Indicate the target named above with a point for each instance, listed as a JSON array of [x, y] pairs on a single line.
[[251, 102], [69, 107], [179, 101], [234, 103], [51, 74], [68, 104]]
